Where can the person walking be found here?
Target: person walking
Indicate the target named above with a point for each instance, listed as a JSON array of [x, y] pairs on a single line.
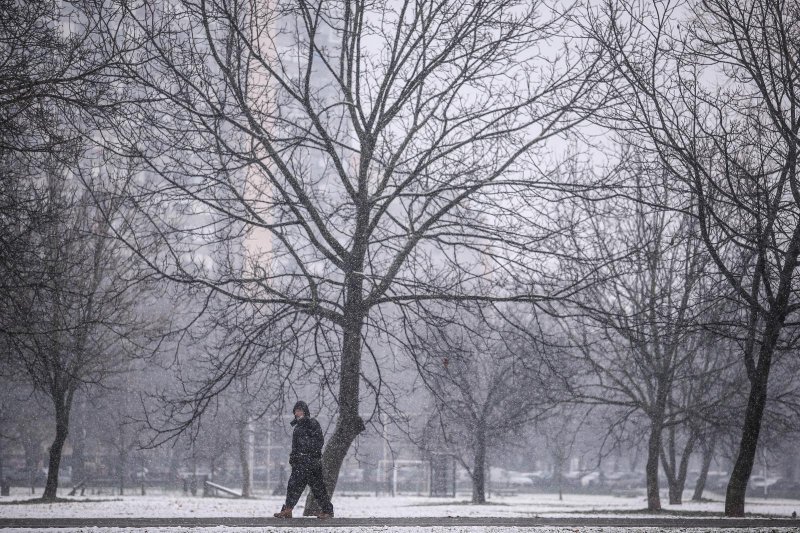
[[306, 463]]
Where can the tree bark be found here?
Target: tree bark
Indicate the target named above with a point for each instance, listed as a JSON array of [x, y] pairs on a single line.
[[708, 456], [743, 467], [479, 469], [676, 485], [347, 429], [349, 424], [675, 491], [651, 468], [676, 470], [56, 449], [756, 401]]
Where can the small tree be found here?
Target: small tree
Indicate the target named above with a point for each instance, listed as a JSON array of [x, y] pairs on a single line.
[[636, 330], [64, 284], [79, 314], [487, 384], [560, 431]]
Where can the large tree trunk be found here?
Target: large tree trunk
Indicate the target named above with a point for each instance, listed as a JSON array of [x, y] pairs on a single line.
[[349, 425], [743, 467], [479, 469], [62, 430], [651, 468], [708, 456], [759, 373], [756, 401]]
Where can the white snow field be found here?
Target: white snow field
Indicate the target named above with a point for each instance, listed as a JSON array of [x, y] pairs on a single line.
[[349, 506]]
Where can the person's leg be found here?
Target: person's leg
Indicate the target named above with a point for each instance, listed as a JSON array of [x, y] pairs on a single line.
[[317, 483], [297, 483]]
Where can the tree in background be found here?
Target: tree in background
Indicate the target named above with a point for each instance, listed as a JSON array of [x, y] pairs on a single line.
[[713, 89], [80, 316], [560, 430], [636, 330], [695, 410], [487, 383], [56, 257]]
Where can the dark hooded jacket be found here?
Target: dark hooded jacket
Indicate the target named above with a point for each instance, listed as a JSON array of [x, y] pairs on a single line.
[[307, 439]]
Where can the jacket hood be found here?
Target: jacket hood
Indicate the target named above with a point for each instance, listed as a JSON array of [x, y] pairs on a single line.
[[303, 406]]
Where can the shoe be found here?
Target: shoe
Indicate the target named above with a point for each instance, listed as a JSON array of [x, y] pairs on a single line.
[[325, 515], [286, 512]]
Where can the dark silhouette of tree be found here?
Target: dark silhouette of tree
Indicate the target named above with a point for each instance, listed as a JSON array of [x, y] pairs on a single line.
[[78, 316], [353, 145], [53, 249], [713, 88], [637, 329]]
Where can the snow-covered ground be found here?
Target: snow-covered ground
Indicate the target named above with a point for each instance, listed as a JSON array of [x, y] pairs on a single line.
[[350, 506], [523, 505]]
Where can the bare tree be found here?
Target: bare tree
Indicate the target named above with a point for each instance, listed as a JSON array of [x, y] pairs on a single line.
[[52, 248], [121, 438], [352, 144], [713, 88], [487, 384], [713, 381], [50, 70], [637, 329], [560, 431], [78, 314]]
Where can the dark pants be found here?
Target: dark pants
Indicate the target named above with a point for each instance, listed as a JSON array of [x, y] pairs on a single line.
[[308, 473]]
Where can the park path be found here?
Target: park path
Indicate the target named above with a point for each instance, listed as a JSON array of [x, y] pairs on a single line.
[[422, 522]]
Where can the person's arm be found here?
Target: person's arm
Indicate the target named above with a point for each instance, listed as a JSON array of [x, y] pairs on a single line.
[[319, 437], [292, 454]]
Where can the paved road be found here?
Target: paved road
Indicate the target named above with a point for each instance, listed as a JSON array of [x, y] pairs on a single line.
[[666, 522]]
